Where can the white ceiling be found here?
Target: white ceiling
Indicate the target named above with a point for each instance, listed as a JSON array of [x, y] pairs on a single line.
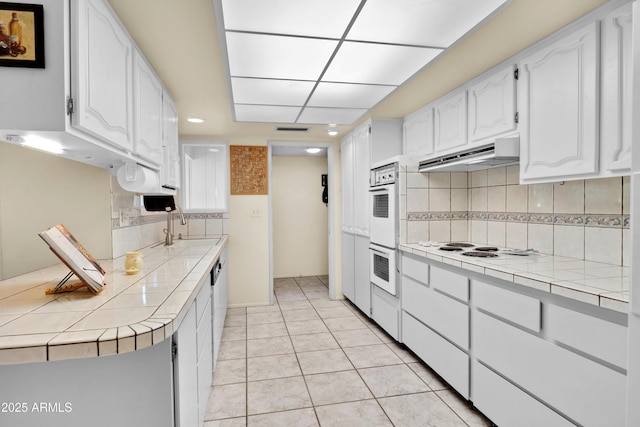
[[331, 61], [181, 40]]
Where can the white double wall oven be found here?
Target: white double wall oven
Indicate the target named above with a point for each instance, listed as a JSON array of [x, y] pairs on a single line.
[[384, 226]]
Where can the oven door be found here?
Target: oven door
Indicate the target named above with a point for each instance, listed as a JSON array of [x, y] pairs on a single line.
[[382, 262], [383, 215]]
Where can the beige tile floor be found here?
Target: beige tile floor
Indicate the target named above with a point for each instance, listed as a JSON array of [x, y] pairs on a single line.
[[310, 361]]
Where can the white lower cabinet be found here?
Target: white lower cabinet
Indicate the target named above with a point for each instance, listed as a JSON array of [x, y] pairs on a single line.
[[507, 405], [362, 281], [584, 391], [385, 311], [185, 371], [451, 363]]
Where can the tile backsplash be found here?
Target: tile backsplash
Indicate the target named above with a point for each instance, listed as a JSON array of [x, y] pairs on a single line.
[[584, 219], [133, 228]]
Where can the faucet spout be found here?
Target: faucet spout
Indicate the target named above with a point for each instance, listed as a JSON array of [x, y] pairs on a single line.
[[169, 230]]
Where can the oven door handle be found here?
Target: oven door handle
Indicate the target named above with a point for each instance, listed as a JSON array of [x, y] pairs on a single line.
[[377, 189], [379, 251]]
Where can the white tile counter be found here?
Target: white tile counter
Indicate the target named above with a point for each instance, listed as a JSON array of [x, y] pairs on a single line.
[[596, 283], [131, 313]]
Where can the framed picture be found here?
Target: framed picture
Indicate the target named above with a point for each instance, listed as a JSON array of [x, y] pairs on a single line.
[[21, 35]]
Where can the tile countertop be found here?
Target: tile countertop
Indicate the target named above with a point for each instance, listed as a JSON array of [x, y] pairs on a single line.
[[132, 312], [596, 283]]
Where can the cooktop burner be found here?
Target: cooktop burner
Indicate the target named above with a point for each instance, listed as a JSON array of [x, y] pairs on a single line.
[[486, 249], [459, 245], [480, 254], [450, 248]]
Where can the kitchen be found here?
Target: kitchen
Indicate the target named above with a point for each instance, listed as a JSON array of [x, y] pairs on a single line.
[[250, 234]]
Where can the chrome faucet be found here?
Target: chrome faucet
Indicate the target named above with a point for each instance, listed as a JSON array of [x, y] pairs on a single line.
[[169, 230]]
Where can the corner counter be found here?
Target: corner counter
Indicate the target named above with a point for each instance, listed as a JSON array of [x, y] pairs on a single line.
[[132, 312]]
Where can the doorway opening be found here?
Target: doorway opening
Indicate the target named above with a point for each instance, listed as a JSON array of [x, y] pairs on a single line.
[[300, 217]]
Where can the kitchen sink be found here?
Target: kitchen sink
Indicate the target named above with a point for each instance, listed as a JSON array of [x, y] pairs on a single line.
[[203, 241]]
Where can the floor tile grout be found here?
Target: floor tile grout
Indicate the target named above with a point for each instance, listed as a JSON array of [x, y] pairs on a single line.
[[404, 360]]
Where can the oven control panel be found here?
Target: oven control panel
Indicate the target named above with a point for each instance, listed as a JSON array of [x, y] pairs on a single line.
[[383, 175]]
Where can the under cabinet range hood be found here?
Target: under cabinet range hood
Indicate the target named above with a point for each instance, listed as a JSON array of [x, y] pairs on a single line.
[[501, 152]]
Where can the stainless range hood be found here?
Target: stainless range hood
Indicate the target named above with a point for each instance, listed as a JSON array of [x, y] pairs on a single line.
[[501, 152]]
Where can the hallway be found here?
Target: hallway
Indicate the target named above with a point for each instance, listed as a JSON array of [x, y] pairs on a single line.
[[309, 361]]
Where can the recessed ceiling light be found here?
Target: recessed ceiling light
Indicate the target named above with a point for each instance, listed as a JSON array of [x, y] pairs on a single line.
[[195, 120], [332, 131], [313, 150]]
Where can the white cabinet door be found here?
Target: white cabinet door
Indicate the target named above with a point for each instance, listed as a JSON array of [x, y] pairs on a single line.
[[185, 366], [348, 266], [102, 74], [347, 183], [559, 109], [451, 122], [617, 73], [148, 119], [492, 105], [171, 154], [417, 133], [385, 139], [362, 170], [361, 279]]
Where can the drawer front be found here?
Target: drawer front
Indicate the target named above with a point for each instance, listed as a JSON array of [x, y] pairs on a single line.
[[415, 268], [450, 283], [505, 403], [386, 312], [203, 298], [448, 317], [585, 391], [520, 309], [447, 360], [600, 338]]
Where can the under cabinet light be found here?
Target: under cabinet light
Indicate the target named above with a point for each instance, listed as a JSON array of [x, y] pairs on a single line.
[[42, 144]]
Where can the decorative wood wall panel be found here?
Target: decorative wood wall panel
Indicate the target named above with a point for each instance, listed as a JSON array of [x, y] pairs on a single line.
[[249, 170]]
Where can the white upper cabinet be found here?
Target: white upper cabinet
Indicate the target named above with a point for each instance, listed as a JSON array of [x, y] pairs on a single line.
[[102, 82], [492, 105], [450, 116], [616, 117], [346, 154], [417, 133], [171, 153], [147, 107], [558, 105], [385, 139], [361, 173]]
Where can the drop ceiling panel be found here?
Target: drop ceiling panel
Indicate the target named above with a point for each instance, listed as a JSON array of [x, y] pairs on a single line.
[[326, 18], [436, 23], [268, 91], [338, 116], [377, 63], [266, 113], [348, 95], [281, 57]]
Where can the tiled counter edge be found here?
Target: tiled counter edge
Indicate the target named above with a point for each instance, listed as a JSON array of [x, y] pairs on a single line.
[[594, 283], [152, 328]]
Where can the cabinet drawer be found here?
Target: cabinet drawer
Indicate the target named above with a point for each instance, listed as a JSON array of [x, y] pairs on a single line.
[[505, 403], [520, 309], [415, 268], [600, 338], [203, 298], [386, 311], [447, 360], [582, 390], [450, 283], [448, 317]]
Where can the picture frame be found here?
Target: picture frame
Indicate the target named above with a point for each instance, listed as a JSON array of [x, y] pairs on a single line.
[[21, 35]]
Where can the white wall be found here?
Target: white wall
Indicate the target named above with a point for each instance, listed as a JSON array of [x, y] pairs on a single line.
[[300, 219], [39, 190]]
